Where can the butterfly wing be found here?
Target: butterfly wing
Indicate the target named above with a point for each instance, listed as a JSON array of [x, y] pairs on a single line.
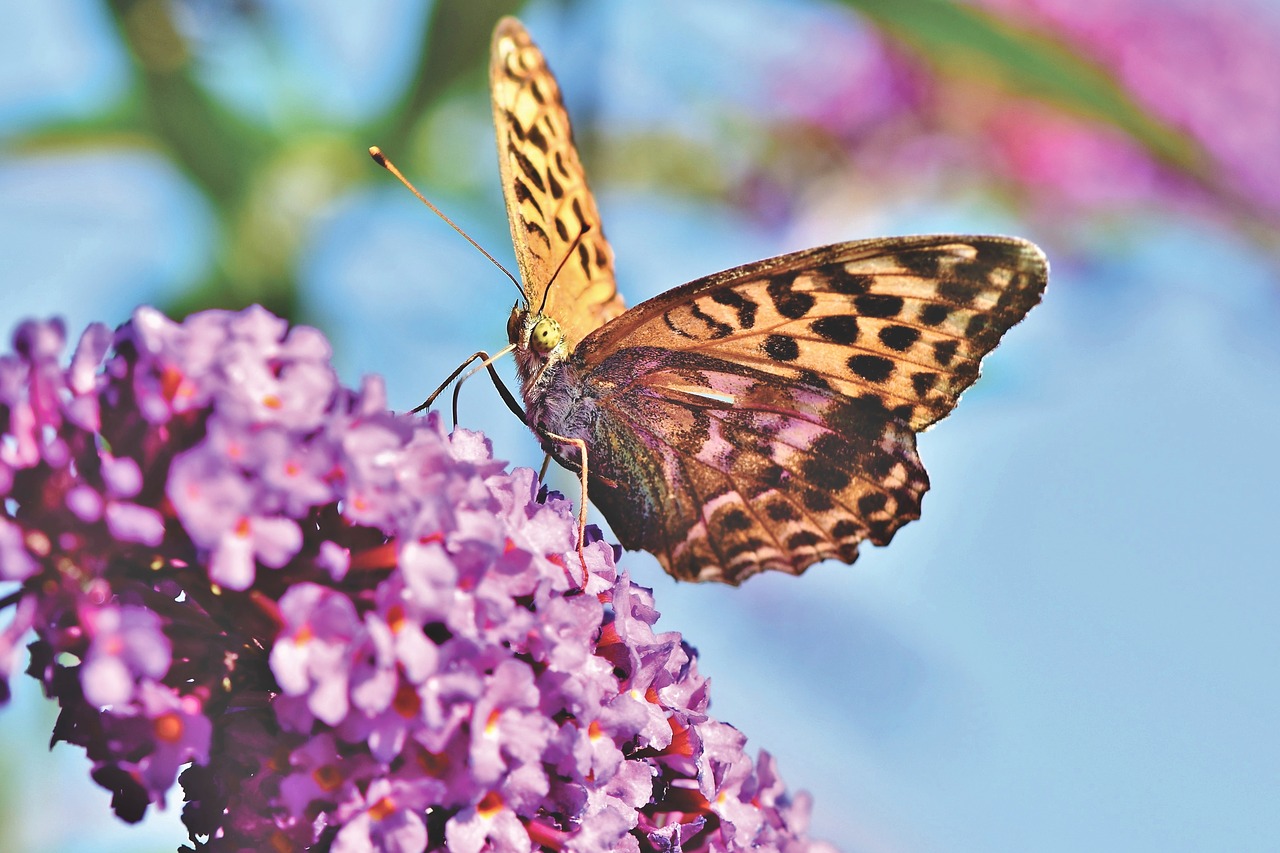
[[548, 203], [765, 417]]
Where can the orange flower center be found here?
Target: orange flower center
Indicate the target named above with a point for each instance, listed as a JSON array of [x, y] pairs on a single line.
[[168, 727], [407, 702], [327, 777], [382, 809], [490, 805]]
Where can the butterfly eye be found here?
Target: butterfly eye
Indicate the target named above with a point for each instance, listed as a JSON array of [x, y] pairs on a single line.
[[513, 325], [546, 336]]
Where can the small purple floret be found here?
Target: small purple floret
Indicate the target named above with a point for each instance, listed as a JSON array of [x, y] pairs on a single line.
[[126, 644]]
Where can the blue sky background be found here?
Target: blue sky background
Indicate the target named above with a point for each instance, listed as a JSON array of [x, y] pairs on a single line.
[[1074, 649]]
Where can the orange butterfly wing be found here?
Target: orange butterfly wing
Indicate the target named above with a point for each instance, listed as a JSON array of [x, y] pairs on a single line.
[[765, 417], [548, 203]]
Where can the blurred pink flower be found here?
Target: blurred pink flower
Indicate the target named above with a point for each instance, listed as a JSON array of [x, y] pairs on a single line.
[[1206, 70], [1209, 69]]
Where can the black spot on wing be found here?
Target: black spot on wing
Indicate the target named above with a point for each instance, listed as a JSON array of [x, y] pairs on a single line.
[[879, 465], [961, 291], [873, 368], [671, 324], [821, 472], [781, 510], [840, 329], [715, 328], [528, 169], [535, 137], [787, 302], [866, 412], [934, 314], [840, 280], [577, 211], [899, 338], [926, 264], [878, 305], [514, 125], [802, 539], [781, 348], [845, 529], [773, 476], [998, 254], [813, 379], [523, 196], [872, 503], [745, 546], [745, 308], [535, 230], [561, 166], [945, 351], [923, 382], [817, 501]]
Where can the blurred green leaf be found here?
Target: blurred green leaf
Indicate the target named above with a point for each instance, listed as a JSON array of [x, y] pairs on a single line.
[[224, 155], [961, 40], [262, 186], [213, 146]]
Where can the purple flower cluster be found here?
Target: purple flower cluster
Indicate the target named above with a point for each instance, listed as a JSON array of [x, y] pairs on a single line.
[[358, 633]]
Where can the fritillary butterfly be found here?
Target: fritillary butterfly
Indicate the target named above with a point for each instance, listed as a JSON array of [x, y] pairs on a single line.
[[764, 417]]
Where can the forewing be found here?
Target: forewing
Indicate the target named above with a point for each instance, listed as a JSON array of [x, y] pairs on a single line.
[[905, 319], [548, 203]]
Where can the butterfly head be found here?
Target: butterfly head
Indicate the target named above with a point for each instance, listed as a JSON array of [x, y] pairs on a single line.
[[538, 339]]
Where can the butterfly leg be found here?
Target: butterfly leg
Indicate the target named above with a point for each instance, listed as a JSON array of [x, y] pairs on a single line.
[[503, 391], [582, 503], [426, 404]]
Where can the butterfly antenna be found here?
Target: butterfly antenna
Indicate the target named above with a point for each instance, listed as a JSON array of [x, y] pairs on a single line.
[[573, 247], [381, 159]]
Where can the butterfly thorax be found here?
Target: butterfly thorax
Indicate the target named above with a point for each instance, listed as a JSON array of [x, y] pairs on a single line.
[[542, 359]]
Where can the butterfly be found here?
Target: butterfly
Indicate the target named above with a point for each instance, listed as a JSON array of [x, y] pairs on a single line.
[[762, 418]]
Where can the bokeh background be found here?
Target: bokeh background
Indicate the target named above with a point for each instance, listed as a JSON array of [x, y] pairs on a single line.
[[1076, 648]]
